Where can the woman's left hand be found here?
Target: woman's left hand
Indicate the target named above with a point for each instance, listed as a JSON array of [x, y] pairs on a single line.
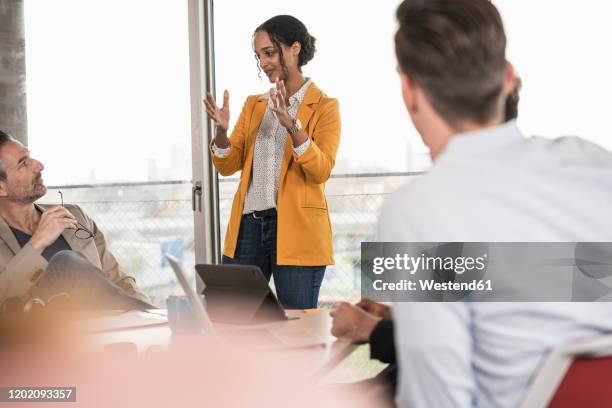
[[278, 96]]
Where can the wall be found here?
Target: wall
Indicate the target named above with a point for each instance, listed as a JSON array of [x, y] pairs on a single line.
[[13, 114]]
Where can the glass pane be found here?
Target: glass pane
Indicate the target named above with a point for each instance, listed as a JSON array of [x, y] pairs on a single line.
[[559, 51], [355, 62], [357, 67], [108, 110]]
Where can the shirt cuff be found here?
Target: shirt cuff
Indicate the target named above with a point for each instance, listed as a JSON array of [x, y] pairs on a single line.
[[302, 148], [220, 152], [382, 342]]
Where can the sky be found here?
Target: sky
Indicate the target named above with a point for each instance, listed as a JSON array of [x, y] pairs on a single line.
[[108, 80]]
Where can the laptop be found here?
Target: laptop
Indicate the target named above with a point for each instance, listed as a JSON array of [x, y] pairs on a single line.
[[279, 335], [239, 294], [196, 306]]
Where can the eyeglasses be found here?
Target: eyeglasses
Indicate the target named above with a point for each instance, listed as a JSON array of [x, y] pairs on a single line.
[[81, 232]]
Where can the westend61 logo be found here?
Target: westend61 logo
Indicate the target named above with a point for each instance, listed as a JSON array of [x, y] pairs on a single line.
[[424, 271], [486, 271], [411, 264]]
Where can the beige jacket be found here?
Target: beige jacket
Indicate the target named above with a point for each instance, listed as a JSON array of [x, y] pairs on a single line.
[[21, 268]]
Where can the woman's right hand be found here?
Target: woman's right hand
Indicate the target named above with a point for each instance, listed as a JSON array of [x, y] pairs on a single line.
[[219, 115]]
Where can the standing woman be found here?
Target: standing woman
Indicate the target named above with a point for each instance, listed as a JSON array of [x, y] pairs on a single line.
[[284, 143]]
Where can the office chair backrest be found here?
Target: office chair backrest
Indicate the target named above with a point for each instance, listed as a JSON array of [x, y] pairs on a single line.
[[586, 384], [574, 375]]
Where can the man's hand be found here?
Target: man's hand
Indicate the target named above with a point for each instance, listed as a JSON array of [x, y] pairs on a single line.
[[352, 323], [377, 309], [50, 226]]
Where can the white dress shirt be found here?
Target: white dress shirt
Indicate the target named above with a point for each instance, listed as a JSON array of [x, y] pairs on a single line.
[[496, 185]]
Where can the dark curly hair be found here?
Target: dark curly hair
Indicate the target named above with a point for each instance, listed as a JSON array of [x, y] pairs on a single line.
[[285, 29]]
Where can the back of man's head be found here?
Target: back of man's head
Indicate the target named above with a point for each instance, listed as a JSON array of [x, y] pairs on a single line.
[[455, 51], [4, 139]]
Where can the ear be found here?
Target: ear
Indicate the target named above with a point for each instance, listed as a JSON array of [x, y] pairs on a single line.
[[296, 47], [410, 93], [510, 80], [3, 189]]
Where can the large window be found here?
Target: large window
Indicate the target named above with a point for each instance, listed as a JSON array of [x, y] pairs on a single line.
[[108, 87], [354, 63], [109, 116], [558, 49]]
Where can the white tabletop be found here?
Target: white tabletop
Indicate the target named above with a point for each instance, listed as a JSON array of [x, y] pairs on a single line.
[[327, 354]]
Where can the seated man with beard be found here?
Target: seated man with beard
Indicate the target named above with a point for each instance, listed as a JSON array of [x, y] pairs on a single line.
[[48, 251]]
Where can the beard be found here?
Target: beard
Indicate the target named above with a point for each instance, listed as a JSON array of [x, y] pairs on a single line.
[[36, 192], [28, 195]]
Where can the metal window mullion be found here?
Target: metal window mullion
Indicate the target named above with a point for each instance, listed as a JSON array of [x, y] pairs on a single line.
[[201, 67]]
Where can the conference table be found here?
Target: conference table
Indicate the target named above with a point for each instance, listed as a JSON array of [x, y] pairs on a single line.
[[145, 332], [131, 359]]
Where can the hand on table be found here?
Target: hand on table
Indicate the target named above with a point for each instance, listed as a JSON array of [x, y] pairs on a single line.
[[352, 323], [377, 309]]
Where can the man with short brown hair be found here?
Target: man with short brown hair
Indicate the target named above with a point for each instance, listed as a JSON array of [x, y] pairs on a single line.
[[488, 183]]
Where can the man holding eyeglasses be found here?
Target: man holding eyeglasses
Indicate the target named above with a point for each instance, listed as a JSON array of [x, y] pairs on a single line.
[[48, 250]]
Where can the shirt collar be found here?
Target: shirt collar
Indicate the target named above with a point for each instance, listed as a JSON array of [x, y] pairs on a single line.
[[298, 97], [483, 140]]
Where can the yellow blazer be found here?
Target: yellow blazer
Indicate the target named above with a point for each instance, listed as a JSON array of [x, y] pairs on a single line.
[[304, 233]]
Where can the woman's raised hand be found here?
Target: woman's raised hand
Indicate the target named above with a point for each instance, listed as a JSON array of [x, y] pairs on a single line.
[[219, 115], [279, 104]]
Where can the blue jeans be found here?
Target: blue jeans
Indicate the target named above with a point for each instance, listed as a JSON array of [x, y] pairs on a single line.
[[297, 287]]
